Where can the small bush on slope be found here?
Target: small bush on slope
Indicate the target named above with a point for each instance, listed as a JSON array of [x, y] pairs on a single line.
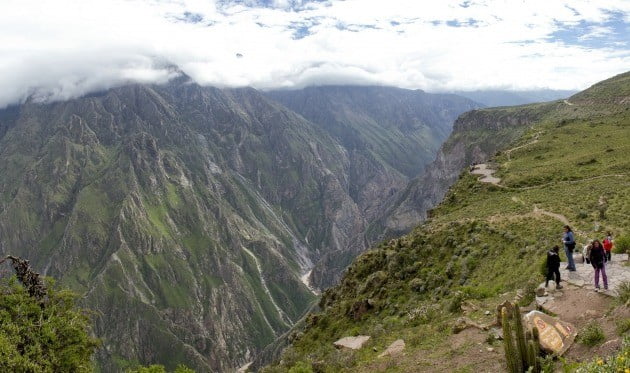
[[591, 335], [160, 369], [622, 245]]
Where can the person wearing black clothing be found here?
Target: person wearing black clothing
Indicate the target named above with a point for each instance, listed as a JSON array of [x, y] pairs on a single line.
[[553, 266], [598, 258]]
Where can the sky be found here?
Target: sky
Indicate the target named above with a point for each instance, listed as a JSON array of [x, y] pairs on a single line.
[[61, 49]]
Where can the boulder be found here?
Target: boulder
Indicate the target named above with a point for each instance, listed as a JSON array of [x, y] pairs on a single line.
[[394, 349], [556, 336], [353, 343]]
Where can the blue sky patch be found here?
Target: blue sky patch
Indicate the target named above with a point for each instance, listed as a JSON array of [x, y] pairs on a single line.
[[189, 17], [294, 5], [470, 22], [613, 33]]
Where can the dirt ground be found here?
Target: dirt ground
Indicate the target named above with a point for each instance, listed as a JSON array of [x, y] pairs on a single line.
[[582, 306], [466, 351], [470, 351]]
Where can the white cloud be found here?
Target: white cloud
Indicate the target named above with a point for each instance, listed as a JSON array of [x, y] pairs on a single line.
[[64, 48], [596, 32]]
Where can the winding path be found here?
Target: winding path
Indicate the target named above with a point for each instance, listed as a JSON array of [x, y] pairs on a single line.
[[535, 140], [486, 174]]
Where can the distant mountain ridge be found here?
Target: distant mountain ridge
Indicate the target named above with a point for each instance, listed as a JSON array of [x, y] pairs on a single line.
[[190, 216], [494, 98]]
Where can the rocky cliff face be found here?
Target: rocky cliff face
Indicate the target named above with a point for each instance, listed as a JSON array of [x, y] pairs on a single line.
[[189, 215], [477, 135], [389, 135]]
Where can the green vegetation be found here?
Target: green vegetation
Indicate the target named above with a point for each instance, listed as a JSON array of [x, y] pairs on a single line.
[[482, 243], [619, 362], [591, 335], [156, 368], [522, 349], [622, 245], [623, 326], [52, 336], [623, 292]]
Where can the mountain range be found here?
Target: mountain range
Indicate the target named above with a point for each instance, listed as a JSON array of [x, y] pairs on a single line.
[[436, 290], [200, 223]]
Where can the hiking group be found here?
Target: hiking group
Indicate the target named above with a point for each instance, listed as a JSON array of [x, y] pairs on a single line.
[[595, 253]]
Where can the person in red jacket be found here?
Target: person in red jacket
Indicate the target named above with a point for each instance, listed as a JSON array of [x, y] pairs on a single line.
[[608, 245]]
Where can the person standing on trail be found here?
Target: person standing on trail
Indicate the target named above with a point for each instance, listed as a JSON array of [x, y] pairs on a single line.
[[553, 266], [569, 245], [598, 257], [608, 245]]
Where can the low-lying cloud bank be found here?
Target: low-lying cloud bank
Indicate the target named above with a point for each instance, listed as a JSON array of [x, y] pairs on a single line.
[[52, 50]]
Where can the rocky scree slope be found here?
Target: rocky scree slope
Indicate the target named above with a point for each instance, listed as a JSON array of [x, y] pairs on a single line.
[[483, 242], [187, 215]]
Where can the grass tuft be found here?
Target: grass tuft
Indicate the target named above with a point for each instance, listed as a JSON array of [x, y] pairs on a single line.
[[591, 335]]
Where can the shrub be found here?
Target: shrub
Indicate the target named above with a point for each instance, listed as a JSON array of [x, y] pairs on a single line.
[[529, 293], [454, 304], [623, 326], [161, 369], [591, 335], [301, 367], [417, 285], [623, 292], [56, 332], [542, 266], [622, 245]]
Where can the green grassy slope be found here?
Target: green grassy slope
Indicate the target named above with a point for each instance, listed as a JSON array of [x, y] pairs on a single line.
[[483, 242]]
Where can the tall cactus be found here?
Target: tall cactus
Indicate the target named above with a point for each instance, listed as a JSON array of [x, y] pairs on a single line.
[[536, 339], [520, 336], [508, 344], [522, 355], [532, 361]]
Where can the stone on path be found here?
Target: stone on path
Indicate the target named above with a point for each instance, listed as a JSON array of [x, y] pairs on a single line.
[[556, 336], [394, 349], [353, 343]]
